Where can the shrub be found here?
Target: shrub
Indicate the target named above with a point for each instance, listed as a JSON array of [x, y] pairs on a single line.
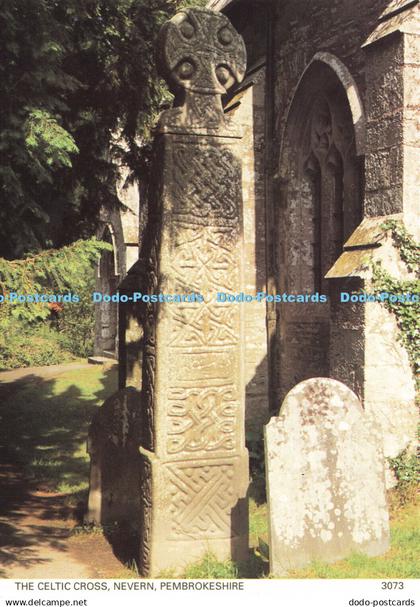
[[31, 346], [30, 335], [406, 468], [76, 322]]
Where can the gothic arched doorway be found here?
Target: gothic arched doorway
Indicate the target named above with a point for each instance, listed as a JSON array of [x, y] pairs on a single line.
[[106, 317], [320, 205]]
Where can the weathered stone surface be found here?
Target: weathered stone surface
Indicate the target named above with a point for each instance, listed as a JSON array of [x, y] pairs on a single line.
[[326, 485], [119, 226], [201, 56], [131, 331], [249, 115], [389, 384], [309, 36], [321, 206], [115, 464], [315, 157], [392, 73], [365, 350], [194, 461]]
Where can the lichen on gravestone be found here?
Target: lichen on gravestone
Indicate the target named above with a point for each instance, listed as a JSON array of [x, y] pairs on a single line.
[[326, 478]]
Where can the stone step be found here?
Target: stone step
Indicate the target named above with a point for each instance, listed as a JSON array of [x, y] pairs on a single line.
[[102, 360]]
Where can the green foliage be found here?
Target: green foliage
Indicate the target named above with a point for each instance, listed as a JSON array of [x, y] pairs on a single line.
[[49, 420], [258, 522], [79, 95], [406, 468], [51, 417], [51, 271], [407, 314], [29, 337], [31, 346], [407, 246], [210, 568], [400, 562], [47, 142], [33, 102], [76, 323]]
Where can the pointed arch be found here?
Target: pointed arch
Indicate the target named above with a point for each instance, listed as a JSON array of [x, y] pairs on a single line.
[[110, 266], [352, 93], [321, 176]]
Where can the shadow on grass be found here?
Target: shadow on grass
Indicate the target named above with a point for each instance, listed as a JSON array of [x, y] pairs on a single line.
[[44, 467], [254, 568]]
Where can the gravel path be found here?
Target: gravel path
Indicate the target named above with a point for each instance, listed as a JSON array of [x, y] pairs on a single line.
[[36, 539]]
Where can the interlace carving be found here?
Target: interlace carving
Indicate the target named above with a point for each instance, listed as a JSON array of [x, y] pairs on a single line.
[[202, 497]]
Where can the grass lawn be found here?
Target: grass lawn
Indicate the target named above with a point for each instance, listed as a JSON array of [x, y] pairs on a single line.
[[44, 425], [401, 561]]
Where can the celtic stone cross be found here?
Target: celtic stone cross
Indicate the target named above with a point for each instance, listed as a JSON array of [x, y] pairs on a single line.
[[194, 464], [201, 56]]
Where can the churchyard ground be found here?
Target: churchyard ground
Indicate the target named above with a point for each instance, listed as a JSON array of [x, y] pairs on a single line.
[[44, 479]]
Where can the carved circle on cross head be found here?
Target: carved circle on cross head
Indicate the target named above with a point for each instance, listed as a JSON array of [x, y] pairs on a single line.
[[200, 51]]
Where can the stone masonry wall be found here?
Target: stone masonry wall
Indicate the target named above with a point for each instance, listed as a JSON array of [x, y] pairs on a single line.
[[250, 116], [304, 28], [411, 129], [381, 58], [386, 76]]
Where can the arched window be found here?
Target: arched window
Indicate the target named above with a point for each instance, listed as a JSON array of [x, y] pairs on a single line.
[[106, 313]]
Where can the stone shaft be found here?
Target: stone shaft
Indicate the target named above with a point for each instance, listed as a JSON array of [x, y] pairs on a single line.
[[194, 460], [195, 466]]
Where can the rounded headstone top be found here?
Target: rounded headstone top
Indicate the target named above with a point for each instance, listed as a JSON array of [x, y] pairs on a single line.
[[320, 398], [200, 51]]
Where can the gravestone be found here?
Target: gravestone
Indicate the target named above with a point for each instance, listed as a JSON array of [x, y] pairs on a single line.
[[114, 460], [194, 464], [326, 478]]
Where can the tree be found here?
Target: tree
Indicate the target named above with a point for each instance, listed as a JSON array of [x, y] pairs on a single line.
[[32, 142], [74, 74]]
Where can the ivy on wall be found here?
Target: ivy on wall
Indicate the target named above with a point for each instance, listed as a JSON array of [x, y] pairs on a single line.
[[406, 466], [407, 314]]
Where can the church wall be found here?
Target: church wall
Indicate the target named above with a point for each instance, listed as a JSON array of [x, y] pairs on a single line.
[[386, 75], [250, 115], [373, 56], [411, 129], [121, 224], [305, 28]]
